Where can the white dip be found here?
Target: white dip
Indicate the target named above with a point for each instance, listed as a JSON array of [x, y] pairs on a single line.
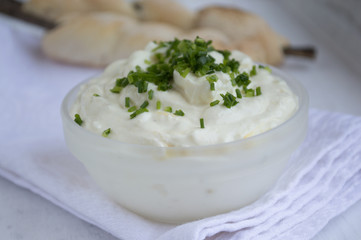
[[101, 109]]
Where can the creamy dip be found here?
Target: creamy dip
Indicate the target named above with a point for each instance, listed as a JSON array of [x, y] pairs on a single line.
[[163, 124]]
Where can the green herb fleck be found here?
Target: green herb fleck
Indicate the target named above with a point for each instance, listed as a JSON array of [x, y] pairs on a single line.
[[253, 72], [168, 109], [249, 93], [159, 105], [106, 132], [184, 72], [150, 94], [214, 103], [78, 120], [132, 109], [229, 100], [116, 89], [146, 61], [212, 78], [238, 93], [258, 91], [96, 95], [242, 79], [179, 112], [201, 122], [212, 87], [265, 68], [138, 112], [144, 104], [127, 102]]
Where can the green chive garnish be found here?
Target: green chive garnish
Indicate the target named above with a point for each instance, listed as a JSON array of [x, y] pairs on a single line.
[[185, 72], [253, 72], [238, 93], [201, 121], [78, 119], [212, 86], [265, 68], [106, 132], [150, 94], [214, 103], [138, 112], [168, 109], [127, 102], [258, 91], [144, 104], [146, 61], [116, 89], [96, 95], [159, 105], [249, 93], [132, 109], [179, 112], [229, 100]]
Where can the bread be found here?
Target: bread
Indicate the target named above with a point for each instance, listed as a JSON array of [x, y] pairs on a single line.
[[55, 10], [166, 11], [97, 39], [219, 39], [247, 32]]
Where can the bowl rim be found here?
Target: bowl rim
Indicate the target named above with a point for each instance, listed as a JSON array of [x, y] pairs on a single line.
[[295, 85]]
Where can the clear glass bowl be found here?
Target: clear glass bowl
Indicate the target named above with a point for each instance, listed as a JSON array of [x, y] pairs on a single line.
[[180, 184]]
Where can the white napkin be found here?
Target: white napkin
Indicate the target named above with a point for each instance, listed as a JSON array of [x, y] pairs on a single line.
[[322, 180]]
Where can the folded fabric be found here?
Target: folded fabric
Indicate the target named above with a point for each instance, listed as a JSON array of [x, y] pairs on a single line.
[[322, 179]]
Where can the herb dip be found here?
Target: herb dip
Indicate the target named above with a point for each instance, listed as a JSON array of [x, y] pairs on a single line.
[[183, 93]]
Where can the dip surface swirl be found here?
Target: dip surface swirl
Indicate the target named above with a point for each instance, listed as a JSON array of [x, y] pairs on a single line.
[[199, 105]]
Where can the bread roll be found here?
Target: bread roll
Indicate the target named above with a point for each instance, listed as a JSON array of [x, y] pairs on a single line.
[[98, 39], [54, 10], [167, 11], [248, 32], [218, 38]]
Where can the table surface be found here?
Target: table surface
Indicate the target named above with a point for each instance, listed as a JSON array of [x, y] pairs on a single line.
[[333, 81]]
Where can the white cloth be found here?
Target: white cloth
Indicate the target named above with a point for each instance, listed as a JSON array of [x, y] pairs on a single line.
[[322, 180]]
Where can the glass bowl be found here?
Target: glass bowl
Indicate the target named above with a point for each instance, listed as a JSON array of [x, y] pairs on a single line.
[[180, 184]]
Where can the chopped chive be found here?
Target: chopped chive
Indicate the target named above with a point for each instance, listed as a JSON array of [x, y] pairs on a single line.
[[159, 105], [138, 112], [214, 103], [150, 94], [179, 112], [132, 109], [106, 132], [168, 109], [265, 68], [229, 100], [212, 78], [116, 89], [142, 86], [258, 91], [144, 104], [249, 93], [242, 79], [253, 72], [201, 121], [96, 95], [78, 119], [127, 102], [238, 93], [146, 61], [212, 86], [133, 115], [185, 72]]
